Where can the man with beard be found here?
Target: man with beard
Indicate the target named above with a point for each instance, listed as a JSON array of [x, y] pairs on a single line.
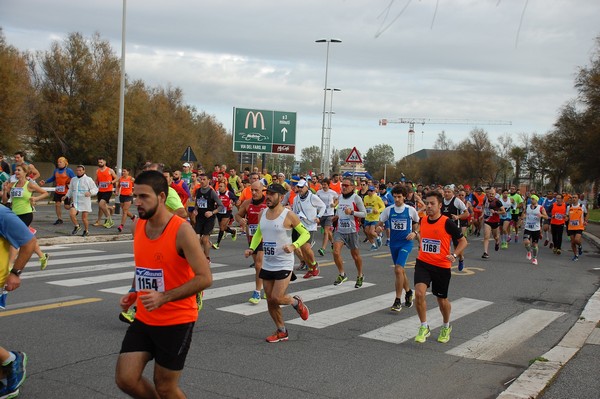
[[208, 204], [275, 232], [105, 179], [247, 217], [170, 269]]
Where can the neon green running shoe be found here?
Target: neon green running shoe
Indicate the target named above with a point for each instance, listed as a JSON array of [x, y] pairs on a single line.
[[422, 335], [44, 261], [445, 334], [128, 316], [199, 300], [340, 279], [255, 298]]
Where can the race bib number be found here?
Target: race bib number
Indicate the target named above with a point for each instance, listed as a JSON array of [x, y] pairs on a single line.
[[104, 184], [269, 248], [530, 226], [149, 279], [252, 229], [430, 246], [124, 184], [558, 216], [202, 202], [487, 212], [60, 189], [345, 223], [16, 192], [398, 224], [223, 211], [369, 209], [573, 222]]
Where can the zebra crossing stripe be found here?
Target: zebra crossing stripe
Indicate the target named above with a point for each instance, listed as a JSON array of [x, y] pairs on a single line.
[[78, 282], [216, 276], [406, 329], [213, 293], [492, 343], [73, 252], [75, 270], [247, 309], [347, 312], [100, 259]]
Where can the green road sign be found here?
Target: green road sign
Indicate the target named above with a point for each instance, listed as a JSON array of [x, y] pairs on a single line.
[[256, 130]]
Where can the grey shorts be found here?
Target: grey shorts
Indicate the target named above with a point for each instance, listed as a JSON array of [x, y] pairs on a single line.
[[326, 221], [350, 239]]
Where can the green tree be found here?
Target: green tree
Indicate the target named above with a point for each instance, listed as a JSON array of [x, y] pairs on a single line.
[[377, 157], [16, 98]]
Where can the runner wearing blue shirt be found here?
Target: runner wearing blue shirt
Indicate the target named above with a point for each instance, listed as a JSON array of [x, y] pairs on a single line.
[[404, 228], [547, 202]]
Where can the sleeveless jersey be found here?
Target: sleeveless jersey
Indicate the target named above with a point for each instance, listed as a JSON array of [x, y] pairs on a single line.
[[575, 218], [508, 205], [532, 218], [159, 267], [490, 206], [126, 184], [233, 182], [204, 202], [62, 181], [558, 214], [347, 224], [252, 216], [275, 237], [478, 201], [400, 225], [337, 187], [104, 180], [435, 243], [227, 202], [20, 197], [450, 209]]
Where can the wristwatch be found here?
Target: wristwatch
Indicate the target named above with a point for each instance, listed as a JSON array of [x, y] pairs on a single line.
[[16, 272], [454, 256]]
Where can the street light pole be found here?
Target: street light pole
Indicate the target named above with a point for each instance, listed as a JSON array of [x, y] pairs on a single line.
[[121, 96], [327, 141], [323, 154]]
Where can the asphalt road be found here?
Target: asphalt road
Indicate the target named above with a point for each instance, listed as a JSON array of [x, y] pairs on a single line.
[[506, 313]]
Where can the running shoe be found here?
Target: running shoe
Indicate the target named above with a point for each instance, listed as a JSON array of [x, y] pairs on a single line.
[[58, 221], [264, 295], [76, 230], [16, 371], [120, 228], [551, 245], [554, 251], [321, 251], [374, 247], [312, 272], [359, 281], [255, 298], [397, 306], [200, 300], [485, 255], [508, 239], [44, 261], [85, 233], [516, 239], [422, 335], [127, 316], [5, 393], [378, 241], [301, 308], [497, 246], [558, 252], [579, 250], [215, 245], [302, 267], [234, 235], [108, 224], [340, 279], [444, 334], [504, 245], [528, 255], [461, 265], [97, 223], [545, 243], [575, 258], [534, 261], [408, 299], [278, 337], [387, 242]]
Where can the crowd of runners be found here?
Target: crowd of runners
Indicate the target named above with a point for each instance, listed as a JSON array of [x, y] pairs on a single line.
[[280, 216]]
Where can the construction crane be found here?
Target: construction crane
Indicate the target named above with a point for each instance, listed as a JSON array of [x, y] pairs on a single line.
[[412, 121]]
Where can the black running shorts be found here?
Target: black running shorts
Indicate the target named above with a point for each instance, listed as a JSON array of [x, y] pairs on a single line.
[[168, 345], [437, 277]]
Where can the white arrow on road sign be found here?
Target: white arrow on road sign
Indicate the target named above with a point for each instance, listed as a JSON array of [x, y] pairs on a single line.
[[283, 131]]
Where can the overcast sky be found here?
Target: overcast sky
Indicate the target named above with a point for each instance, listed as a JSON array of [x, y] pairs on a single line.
[[481, 60]]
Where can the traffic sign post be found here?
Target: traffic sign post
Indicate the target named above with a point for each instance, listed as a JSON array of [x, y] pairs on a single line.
[[354, 156], [264, 131]]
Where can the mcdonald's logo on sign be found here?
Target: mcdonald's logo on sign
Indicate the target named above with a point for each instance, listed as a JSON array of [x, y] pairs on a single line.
[[255, 117]]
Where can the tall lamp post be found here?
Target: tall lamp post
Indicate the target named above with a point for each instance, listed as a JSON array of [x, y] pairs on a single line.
[[324, 141], [121, 96], [327, 144]]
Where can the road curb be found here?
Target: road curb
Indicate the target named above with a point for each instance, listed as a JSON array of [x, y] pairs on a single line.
[[537, 377], [84, 240]]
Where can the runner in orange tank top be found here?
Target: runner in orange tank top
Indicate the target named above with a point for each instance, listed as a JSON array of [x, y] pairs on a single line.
[[125, 194], [105, 179], [434, 262], [170, 269]]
